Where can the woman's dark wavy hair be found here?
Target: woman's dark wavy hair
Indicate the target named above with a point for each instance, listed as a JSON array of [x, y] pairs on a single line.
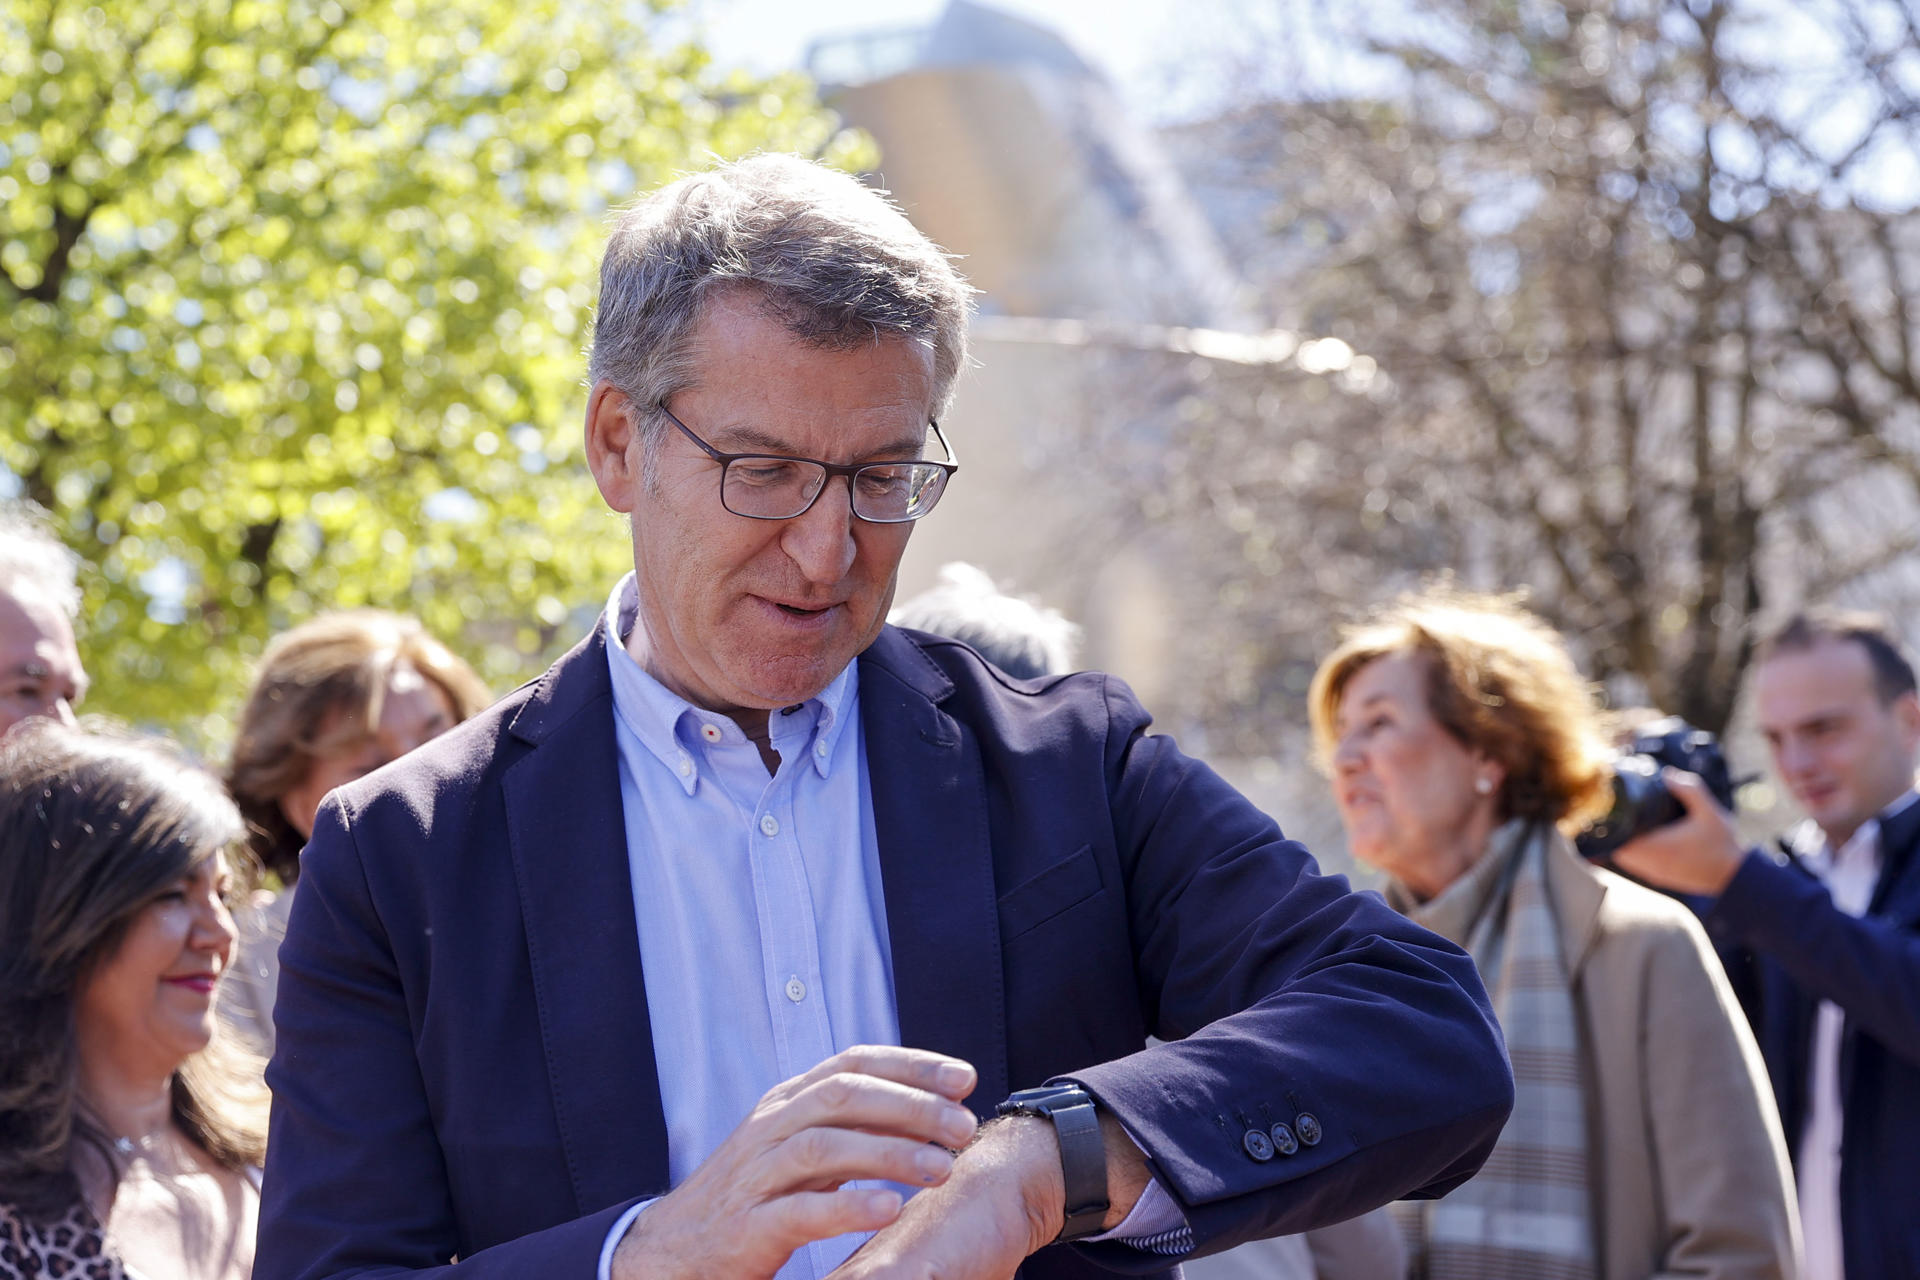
[[95, 825]]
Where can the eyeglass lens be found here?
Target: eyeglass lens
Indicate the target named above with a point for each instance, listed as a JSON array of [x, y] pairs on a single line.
[[778, 488]]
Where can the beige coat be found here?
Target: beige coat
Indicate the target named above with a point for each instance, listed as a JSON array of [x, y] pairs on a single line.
[[1690, 1172], [1364, 1248]]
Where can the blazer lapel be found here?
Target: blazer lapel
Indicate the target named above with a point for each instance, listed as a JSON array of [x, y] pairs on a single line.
[[936, 864], [1576, 894], [568, 839], [1899, 837]]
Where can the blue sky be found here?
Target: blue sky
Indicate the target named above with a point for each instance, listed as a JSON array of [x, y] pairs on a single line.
[[1137, 43], [1174, 59]]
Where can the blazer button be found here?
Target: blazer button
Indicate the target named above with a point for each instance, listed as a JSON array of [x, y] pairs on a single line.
[[1308, 1127], [1258, 1145], [1283, 1140]]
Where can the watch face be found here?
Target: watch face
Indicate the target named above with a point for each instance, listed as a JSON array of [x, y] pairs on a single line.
[[1045, 1097], [1044, 1093]]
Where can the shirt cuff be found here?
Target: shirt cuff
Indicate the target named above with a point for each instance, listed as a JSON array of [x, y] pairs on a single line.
[[619, 1233]]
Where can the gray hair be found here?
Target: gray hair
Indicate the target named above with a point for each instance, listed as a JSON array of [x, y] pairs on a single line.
[[1020, 636], [30, 551], [837, 262]]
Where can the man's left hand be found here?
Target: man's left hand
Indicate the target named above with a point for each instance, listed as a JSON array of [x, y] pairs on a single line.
[[1004, 1200], [1697, 854]]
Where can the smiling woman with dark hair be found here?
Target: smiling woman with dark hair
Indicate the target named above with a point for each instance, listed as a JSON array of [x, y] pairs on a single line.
[[128, 1131]]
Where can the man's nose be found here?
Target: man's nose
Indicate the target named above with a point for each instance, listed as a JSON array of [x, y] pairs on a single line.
[[820, 539]]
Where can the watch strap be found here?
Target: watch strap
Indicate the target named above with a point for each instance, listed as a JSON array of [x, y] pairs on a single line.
[[1083, 1169], [1083, 1152]]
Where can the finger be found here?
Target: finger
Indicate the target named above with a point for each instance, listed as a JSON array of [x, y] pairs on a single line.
[[923, 1069], [820, 1215], [1688, 790], [852, 1101], [821, 1159]]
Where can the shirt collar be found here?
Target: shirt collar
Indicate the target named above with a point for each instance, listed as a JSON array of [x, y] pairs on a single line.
[[1812, 843], [673, 730]]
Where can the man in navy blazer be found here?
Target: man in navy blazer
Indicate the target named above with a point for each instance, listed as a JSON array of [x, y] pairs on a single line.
[[1826, 939], [506, 1050]]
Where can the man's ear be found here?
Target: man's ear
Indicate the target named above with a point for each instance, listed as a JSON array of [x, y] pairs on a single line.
[[1906, 713], [616, 454]]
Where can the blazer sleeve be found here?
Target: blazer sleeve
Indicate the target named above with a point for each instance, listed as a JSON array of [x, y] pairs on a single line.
[[1719, 1160], [1285, 998], [1868, 965], [355, 1181]]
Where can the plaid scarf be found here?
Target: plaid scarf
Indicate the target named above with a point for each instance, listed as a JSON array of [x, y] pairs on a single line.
[[1527, 1214]]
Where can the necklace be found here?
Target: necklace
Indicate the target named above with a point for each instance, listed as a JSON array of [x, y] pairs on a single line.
[[127, 1146]]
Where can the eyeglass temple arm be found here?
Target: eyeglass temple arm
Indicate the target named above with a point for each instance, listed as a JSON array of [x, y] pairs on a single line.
[[953, 459]]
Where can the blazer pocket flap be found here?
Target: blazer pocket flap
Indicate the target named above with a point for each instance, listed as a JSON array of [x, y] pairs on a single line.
[[1044, 895]]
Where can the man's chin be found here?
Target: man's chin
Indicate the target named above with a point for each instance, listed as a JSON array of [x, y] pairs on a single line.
[[789, 681]]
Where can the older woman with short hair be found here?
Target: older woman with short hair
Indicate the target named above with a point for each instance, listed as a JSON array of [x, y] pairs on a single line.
[[1464, 749], [129, 1131]]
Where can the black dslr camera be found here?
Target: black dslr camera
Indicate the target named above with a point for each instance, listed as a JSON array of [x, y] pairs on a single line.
[[1641, 801]]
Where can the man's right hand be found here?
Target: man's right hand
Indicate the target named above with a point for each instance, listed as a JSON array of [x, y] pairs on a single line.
[[870, 1113], [1699, 854]]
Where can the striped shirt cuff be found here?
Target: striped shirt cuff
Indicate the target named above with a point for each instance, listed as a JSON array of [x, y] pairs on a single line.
[[1154, 1225]]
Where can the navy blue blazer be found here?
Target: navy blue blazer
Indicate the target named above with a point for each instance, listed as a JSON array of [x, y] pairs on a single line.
[[1802, 950], [465, 1067]]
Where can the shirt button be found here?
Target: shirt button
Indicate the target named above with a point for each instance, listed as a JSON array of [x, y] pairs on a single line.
[[769, 824], [711, 732], [820, 747], [686, 767], [796, 989]]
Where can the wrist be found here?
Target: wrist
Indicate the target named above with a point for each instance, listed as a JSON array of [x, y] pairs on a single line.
[[1080, 1146], [1127, 1171], [1028, 1148], [1729, 868]]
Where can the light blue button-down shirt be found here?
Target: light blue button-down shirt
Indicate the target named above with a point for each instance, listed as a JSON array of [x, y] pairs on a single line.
[[763, 925], [763, 929]]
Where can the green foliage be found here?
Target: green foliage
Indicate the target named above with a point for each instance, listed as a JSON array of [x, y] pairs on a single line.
[[292, 299]]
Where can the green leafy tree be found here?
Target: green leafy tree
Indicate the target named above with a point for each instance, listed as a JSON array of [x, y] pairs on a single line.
[[292, 299]]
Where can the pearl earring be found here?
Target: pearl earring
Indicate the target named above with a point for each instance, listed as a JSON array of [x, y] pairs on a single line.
[[1483, 785]]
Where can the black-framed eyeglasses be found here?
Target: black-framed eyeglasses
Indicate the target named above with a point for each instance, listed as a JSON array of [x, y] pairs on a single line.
[[768, 486]]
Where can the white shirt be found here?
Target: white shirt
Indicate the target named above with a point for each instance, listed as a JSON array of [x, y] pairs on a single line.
[[1850, 874]]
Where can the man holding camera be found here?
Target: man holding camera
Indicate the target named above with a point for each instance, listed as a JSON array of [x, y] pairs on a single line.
[[1833, 928]]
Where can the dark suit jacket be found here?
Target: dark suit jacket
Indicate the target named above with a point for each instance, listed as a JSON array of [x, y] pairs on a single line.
[[1802, 950], [465, 1065]]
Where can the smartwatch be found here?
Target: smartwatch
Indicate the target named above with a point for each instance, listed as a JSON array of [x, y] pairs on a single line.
[[1083, 1153]]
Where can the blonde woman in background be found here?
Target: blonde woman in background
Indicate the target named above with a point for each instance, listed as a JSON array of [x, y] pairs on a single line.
[[1464, 747], [334, 698]]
